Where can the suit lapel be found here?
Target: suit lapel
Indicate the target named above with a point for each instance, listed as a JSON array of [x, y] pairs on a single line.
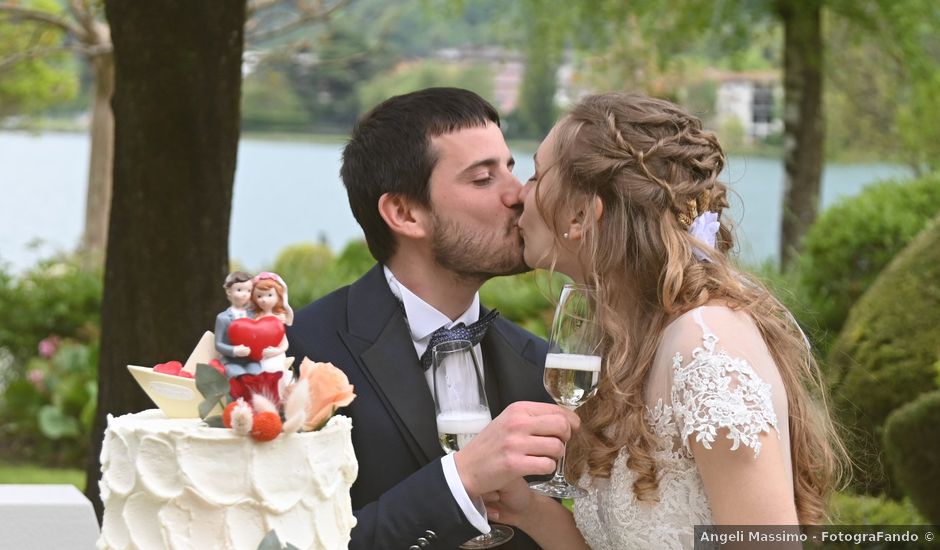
[[380, 340]]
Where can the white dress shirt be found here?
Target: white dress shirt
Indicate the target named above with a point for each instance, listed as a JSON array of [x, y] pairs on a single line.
[[423, 320]]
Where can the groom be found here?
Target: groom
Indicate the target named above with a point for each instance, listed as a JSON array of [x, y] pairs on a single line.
[[429, 179]]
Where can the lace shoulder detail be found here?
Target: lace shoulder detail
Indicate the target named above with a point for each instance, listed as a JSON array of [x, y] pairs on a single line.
[[714, 391]]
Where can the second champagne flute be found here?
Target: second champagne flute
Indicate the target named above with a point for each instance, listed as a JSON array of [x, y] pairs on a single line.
[[572, 368], [462, 412]]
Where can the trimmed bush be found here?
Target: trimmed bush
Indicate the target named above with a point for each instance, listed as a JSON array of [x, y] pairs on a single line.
[[311, 270], [912, 444], [851, 242], [885, 355], [850, 509]]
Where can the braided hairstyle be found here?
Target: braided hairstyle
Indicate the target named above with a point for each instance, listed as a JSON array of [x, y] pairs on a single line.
[[654, 169]]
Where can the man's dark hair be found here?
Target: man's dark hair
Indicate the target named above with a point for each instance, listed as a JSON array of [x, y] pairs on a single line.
[[390, 152]]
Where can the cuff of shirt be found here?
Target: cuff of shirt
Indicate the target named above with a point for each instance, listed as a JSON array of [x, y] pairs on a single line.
[[473, 510]]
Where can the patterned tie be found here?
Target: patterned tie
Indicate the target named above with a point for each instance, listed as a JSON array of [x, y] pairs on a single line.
[[474, 333]]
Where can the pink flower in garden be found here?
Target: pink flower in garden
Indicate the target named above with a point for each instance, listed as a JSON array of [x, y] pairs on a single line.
[[48, 346], [37, 378]]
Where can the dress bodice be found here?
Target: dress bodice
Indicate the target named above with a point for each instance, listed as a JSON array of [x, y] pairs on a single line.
[[697, 391]]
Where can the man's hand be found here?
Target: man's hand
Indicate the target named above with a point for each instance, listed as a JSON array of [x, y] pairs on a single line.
[[241, 350], [525, 439]]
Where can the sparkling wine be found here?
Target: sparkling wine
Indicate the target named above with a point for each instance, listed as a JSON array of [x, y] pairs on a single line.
[[456, 429], [570, 379]]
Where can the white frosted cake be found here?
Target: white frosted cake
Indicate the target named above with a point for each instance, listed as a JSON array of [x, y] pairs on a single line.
[[176, 483]]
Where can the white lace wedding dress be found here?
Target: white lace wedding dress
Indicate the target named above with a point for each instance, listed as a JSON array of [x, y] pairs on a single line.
[[712, 377]]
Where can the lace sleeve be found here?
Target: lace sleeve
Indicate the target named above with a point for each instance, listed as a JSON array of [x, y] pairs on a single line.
[[715, 391]]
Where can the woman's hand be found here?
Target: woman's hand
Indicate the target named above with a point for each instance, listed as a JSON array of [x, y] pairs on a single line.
[[546, 521], [271, 351], [512, 504]]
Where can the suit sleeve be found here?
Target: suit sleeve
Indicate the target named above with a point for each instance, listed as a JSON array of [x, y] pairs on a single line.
[[221, 337], [418, 504]]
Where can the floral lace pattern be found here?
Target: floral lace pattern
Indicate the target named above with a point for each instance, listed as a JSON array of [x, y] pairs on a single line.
[[713, 391]]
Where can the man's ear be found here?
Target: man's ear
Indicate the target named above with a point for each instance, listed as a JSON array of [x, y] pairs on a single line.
[[402, 216], [576, 225]]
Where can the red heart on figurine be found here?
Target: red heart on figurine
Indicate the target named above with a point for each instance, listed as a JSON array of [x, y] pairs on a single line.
[[257, 334]]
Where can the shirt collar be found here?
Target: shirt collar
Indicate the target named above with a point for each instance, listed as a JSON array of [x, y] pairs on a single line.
[[423, 318]]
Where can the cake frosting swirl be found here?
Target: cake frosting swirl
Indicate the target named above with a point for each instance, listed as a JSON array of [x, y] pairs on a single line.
[[176, 483]]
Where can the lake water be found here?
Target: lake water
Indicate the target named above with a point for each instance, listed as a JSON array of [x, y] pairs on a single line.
[[42, 196]]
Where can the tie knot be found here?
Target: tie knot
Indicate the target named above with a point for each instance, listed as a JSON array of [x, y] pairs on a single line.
[[473, 333]]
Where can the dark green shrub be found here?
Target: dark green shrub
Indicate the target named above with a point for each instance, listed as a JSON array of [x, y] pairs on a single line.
[[311, 270], [851, 509], [885, 355], [851, 242], [912, 445], [48, 411], [56, 297], [527, 299], [305, 268]]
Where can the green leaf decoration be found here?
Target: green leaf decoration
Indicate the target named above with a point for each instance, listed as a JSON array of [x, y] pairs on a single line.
[[211, 383], [54, 424], [214, 421], [206, 407], [270, 542], [290, 546]]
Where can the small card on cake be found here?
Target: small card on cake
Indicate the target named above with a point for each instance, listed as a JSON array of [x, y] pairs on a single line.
[[176, 395]]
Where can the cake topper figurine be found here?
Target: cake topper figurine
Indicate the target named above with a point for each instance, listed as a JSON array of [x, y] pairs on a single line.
[[269, 296], [235, 357]]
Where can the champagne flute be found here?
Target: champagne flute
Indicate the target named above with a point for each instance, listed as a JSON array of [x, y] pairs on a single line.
[[572, 368], [462, 412]]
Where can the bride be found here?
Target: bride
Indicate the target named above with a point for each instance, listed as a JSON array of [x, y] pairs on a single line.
[[708, 408]]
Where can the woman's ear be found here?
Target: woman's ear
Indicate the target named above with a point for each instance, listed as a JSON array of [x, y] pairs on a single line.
[[402, 216], [594, 209]]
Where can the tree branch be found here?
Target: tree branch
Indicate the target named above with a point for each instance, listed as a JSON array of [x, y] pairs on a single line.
[[309, 13], [8, 62], [13, 11]]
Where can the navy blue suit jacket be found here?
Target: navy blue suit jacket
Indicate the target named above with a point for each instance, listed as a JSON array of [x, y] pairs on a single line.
[[400, 492]]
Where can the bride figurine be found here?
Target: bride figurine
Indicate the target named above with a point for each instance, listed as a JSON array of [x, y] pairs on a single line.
[[269, 296]]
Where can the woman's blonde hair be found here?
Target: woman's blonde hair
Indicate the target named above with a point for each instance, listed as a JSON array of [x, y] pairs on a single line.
[[654, 169]]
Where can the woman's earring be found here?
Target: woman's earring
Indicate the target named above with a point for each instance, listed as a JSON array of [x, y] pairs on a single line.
[[564, 235]]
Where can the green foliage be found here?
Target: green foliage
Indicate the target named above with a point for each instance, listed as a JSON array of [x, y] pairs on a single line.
[[852, 241], [37, 79], [526, 299], [312, 271], [269, 102], [57, 297], [536, 113], [912, 445], [885, 355], [50, 409], [851, 509], [423, 74]]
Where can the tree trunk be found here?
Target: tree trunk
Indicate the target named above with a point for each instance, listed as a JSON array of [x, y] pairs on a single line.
[[98, 194], [803, 121], [176, 114]]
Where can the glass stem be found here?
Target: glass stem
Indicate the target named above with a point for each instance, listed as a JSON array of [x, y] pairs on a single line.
[[560, 467]]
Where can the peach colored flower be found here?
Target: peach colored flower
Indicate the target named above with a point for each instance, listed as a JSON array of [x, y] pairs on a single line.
[[329, 390]]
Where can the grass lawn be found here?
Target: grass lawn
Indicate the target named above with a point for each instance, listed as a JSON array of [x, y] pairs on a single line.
[[24, 473]]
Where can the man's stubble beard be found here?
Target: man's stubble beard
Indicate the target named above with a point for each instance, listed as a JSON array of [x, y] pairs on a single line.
[[477, 256]]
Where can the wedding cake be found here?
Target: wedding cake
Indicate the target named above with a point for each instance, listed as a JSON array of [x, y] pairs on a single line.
[[175, 483], [239, 453]]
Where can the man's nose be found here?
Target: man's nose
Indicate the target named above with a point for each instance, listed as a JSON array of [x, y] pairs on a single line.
[[511, 193]]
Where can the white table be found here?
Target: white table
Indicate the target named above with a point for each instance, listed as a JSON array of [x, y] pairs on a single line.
[[40, 517]]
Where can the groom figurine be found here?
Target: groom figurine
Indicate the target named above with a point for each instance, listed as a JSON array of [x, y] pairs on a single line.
[[429, 179]]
